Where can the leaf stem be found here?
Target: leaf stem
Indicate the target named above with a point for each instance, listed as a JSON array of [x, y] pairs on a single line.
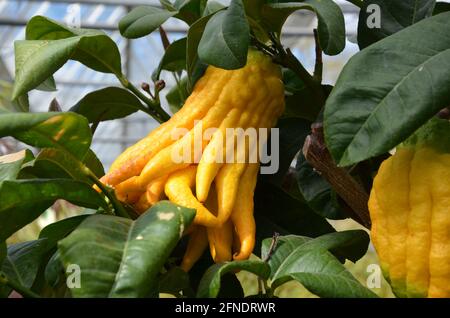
[[154, 109], [272, 247], [318, 68], [119, 209], [22, 290], [286, 58]]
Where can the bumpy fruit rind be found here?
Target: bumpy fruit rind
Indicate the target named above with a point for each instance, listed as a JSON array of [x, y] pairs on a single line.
[[410, 210]]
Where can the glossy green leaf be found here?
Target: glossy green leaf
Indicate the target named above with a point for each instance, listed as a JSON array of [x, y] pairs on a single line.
[[107, 104], [441, 7], [289, 214], [188, 11], [54, 270], [37, 60], [67, 131], [24, 200], [211, 281], [142, 21], [7, 104], [194, 36], [11, 164], [324, 276], [119, 257], [331, 25], [351, 245], [23, 261], [94, 164], [174, 58], [66, 162], [48, 85], [368, 113], [309, 262], [316, 191], [394, 16], [177, 95], [212, 6], [55, 232], [226, 38]]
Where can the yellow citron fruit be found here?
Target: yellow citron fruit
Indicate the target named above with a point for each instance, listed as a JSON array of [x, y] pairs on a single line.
[[410, 210], [221, 101]]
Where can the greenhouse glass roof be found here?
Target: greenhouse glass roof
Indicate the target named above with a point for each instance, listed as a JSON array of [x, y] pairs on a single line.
[[139, 57]]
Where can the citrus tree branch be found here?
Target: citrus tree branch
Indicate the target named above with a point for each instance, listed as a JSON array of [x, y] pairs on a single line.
[[353, 194], [154, 109], [118, 207]]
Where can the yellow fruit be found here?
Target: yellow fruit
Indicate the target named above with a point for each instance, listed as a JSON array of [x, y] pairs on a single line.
[[221, 191], [198, 242], [410, 211]]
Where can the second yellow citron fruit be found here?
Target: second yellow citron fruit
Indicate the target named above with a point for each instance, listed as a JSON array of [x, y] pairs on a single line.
[[410, 210]]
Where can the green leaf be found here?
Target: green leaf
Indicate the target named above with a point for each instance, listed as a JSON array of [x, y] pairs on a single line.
[[107, 104], [174, 281], [57, 231], [37, 60], [441, 7], [211, 281], [120, 257], [334, 282], [67, 131], [289, 214], [48, 85], [174, 58], [24, 200], [316, 191], [395, 16], [66, 162], [94, 164], [178, 95], [193, 64], [11, 164], [54, 270], [368, 113], [23, 261], [293, 132], [351, 245], [7, 104], [309, 262], [142, 21], [188, 11], [226, 38], [212, 6], [331, 25]]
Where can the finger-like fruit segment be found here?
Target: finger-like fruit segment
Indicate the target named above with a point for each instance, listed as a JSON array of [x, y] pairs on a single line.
[[178, 189], [242, 215], [198, 242]]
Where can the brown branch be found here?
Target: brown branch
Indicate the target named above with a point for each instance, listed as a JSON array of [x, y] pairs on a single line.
[[164, 39], [341, 181]]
